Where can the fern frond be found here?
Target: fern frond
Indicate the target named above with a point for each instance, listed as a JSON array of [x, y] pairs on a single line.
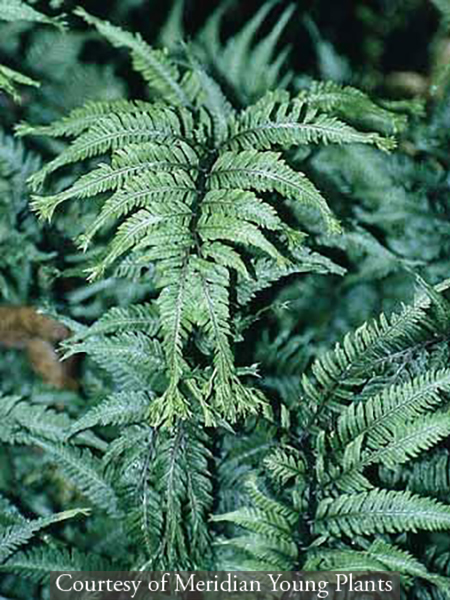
[[179, 488], [17, 10], [353, 104], [84, 470], [14, 536], [271, 524], [285, 465], [173, 194], [380, 511], [338, 371], [266, 171], [276, 119], [9, 79], [391, 408], [138, 317], [117, 131], [161, 75], [380, 555], [81, 119], [428, 476], [38, 563], [133, 359], [268, 271], [118, 409], [242, 54], [391, 448], [21, 421]]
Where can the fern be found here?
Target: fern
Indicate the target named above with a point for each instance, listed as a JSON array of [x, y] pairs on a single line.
[[186, 195], [214, 253], [18, 534], [366, 426]]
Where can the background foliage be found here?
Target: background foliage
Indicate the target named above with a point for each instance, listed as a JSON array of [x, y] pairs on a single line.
[[204, 416]]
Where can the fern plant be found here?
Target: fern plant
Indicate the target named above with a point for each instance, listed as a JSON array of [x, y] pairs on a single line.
[[210, 425], [195, 187], [370, 409]]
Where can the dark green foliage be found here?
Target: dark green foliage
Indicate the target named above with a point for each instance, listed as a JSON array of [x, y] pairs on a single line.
[[252, 262]]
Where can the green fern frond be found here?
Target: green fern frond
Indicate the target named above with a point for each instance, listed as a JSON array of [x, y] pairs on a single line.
[[84, 470], [9, 79], [181, 189], [117, 132], [118, 409], [179, 482], [21, 421], [392, 407], [18, 10], [352, 104], [380, 511], [276, 119], [160, 73], [271, 524], [429, 475], [14, 536], [285, 465], [139, 317], [38, 563], [339, 371], [242, 54], [14, 11], [380, 555], [266, 171]]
